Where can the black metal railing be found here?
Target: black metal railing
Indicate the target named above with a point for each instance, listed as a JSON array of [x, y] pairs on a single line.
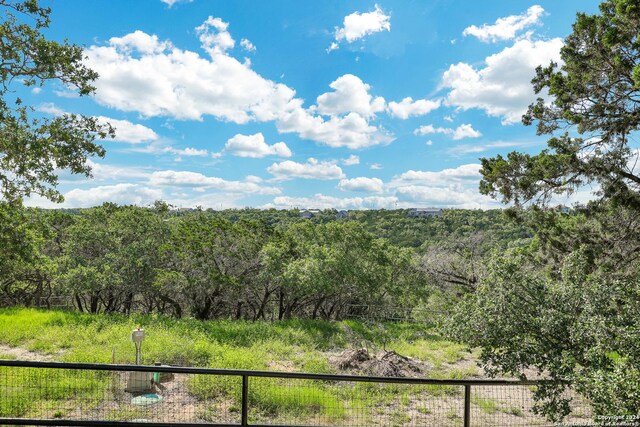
[[86, 394]]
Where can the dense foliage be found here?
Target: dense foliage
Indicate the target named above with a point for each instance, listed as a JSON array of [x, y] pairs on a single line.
[[247, 264], [568, 305], [32, 148]]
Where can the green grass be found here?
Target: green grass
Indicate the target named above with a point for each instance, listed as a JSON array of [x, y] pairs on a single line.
[[434, 350], [488, 406], [294, 345]]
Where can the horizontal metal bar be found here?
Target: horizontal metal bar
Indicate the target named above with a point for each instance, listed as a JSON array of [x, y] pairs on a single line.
[[61, 422], [261, 374]]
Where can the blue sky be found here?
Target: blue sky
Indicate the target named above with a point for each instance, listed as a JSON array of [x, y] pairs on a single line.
[[345, 104]]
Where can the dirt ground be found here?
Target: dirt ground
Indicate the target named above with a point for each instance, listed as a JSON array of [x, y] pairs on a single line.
[[491, 405]]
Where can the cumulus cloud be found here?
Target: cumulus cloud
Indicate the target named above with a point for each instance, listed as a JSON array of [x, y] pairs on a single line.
[[106, 172], [255, 146], [359, 25], [410, 108], [124, 194], [452, 187], [506, 28], [461, 132], [465, 131], [352, 130], [312, 169], [125, 130], [214, 36], [350, 95], [375, 166], [351, 160], [461, 174], [452, 196], [502, 88], [247, 45], [195, 180], [129, 132], [139, 72], [362, 184]]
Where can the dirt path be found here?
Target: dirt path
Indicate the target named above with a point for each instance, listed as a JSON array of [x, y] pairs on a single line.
[[24, 354]]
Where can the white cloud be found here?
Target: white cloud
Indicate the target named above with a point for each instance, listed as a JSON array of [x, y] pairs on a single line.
[[359, 25], [461, 174], [453, 187], [125, 130], [254, 146], [451, 196], [129, 132], [321, 201], [352, 131], [375, 166], [189, 152], [214, 36], [465, 131], [170, 3], [503, 87], [36, 90], [253, 178], [506, 28], [138, 72], [196, 180], [312, 169], [247, 45], [461, 132], [351, 160], [429, 129], [66, 94], [409, 108], [363, 184], [50, 108], [162, 148], [105, 172], [124, 194], [470, 148], [350, 95]]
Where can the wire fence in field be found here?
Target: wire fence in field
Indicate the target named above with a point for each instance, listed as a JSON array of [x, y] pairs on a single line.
[[53, 393]]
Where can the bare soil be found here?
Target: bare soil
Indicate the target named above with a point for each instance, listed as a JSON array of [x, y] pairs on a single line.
[[384, 363]]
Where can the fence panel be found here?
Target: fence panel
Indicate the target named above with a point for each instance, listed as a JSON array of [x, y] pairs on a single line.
[[53, 393]]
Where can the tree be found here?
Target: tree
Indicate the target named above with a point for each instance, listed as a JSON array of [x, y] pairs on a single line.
[[25, 272], [568, 305], [33, 148], [596, 96]]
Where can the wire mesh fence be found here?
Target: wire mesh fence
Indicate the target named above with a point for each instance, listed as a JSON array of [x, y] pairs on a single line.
[[52, 393]]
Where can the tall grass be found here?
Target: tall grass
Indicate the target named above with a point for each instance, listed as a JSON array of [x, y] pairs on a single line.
[[298, 345]]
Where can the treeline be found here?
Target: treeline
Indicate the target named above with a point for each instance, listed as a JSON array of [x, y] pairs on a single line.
[[240, 264]]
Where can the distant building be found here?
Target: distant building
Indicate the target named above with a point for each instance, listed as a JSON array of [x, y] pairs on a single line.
[[309, 213], [563, 209], [424, 212], [342, 214]]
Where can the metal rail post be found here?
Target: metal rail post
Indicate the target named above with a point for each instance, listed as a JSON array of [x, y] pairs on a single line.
[[467, 405], [245, 401]]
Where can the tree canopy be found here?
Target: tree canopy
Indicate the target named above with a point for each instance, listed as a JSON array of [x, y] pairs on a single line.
[[593, 110], [567, 304], [33, 148]]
